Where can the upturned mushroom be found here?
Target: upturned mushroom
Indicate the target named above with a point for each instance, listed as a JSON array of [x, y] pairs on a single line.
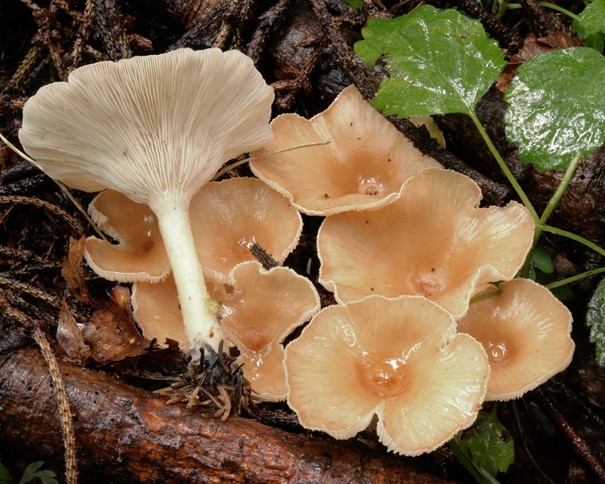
[[526, 332], [400, 359], [156, 129], [362, 167], [433, 241]]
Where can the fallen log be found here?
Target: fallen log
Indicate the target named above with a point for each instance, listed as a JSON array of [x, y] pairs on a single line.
[[127, 434]]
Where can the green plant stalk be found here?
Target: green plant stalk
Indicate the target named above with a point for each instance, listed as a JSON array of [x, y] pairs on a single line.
[[552, 6], [557, 196], [577, 277], [479, 474], [505, 169], [578, 238]]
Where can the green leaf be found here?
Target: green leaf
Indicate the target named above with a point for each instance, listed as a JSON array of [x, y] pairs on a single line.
[[487, 446], [556, 107], [33, 471], [5, 475], [439, 62], [355, 3], [590, 24], [595, 320], [542, 260]]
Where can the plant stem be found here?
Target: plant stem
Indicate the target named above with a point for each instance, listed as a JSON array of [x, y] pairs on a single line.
[[505, 169], [552, 6], [201, 323], [577, 277], [556, 197], [578, 238]]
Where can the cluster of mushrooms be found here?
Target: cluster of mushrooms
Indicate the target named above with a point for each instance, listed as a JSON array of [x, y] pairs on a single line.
[[404, 246]]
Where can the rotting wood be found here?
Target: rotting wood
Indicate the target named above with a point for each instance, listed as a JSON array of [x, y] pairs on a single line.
[[125, 434]]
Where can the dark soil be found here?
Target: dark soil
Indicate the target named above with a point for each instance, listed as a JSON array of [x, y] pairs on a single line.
[[304, 49]]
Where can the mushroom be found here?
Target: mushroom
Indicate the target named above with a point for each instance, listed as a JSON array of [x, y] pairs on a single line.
[[140, 254], [228, 218], [433, 241], [363, 166], [526, 333], [400, 359], [260, 308], [156, 129]]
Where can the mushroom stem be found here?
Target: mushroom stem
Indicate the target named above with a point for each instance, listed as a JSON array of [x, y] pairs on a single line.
[[201, 323]]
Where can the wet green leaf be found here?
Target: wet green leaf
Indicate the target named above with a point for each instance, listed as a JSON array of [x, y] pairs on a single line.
[[355, 3], [595, 320], [487, 447], [556, 107], [542, 260], [439, 61], [5, 475], [591, 24]]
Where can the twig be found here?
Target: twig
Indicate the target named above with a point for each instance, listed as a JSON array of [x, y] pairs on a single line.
[[579, 444], [66, 419]]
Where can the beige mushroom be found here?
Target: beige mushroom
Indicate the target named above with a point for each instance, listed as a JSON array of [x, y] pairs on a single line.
[[156, 129], [140, 254], [400, 359], [260, 309], [526, 333], [228, 217], [433, 241], [363, 166]]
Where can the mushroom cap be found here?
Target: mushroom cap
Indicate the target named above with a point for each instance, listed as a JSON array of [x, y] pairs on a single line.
[[227, 217], [363, 166], [149, 127], [526, 332], [400, 359], [140, 253], [261, 311], [433, 241], [260, 308]]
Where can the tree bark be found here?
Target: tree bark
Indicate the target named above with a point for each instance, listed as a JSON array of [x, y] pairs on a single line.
[[126, 434]]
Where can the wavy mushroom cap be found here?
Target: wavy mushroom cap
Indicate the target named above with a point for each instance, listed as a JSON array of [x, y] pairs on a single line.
[[261, 311], [230, 216], [363, 166], [400, 359], [260, 308], [432, 241], [149, 127], [526, 333], [140, 254], [227, 218]]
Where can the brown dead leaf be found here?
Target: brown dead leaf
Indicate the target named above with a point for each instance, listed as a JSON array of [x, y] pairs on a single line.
[[532, 47], [72, 270], [113, 336], [70, 338]]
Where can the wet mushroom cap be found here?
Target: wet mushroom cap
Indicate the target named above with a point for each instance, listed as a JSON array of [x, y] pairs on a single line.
[[228, 218], [264, 307], [400, 359], [525, 331], [433, 241], [140, 254], [363, 165], [260, 308]]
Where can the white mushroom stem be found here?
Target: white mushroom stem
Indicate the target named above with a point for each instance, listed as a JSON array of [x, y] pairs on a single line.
[[201, 323]]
